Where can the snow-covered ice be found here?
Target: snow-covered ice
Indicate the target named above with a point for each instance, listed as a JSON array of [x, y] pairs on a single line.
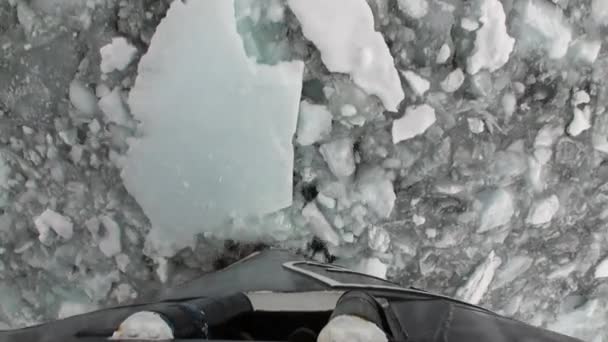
[[339, 156], [453, 81], [218, 165], [419, 84], [497, 209], [548, 23], [52, 220], [117, 55], [417, 120], [479, 282], [314, 123], [343, 30], [414, 8], [543, 210], [493, 45]]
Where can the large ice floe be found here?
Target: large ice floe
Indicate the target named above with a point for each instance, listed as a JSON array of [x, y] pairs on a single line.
[[216, 127]]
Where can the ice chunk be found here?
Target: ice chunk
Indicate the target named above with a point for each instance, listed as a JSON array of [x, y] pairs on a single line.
[[110, 243], [414, 8], [497, 209], [343, 30], [478, 283], [476, 125], [516, 266], [469, 24], [535, 169], [348, 110], [348, 237], [102, 90], [444, 54], [417, 120], [599, 134], [318, 224], [543, 154], [585, 50], [162, 268], [580, 97], [122, 261], [372, 266], [508, 102], [547, 135], [326, 201], [82, 98], [453, 81], [543, 210], [94, 126], [581, 121], [51, 220], [114, 108], [599, 11], [314, 123], [378, 239], [116, 55], [548, 22], [418, 220], [601, 270], [493, 45], [418, 83], [376, 190], [124, 292], [339, 156], [233, 156]]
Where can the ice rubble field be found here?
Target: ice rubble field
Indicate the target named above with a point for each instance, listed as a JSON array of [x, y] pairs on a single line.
[[455, 147]]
